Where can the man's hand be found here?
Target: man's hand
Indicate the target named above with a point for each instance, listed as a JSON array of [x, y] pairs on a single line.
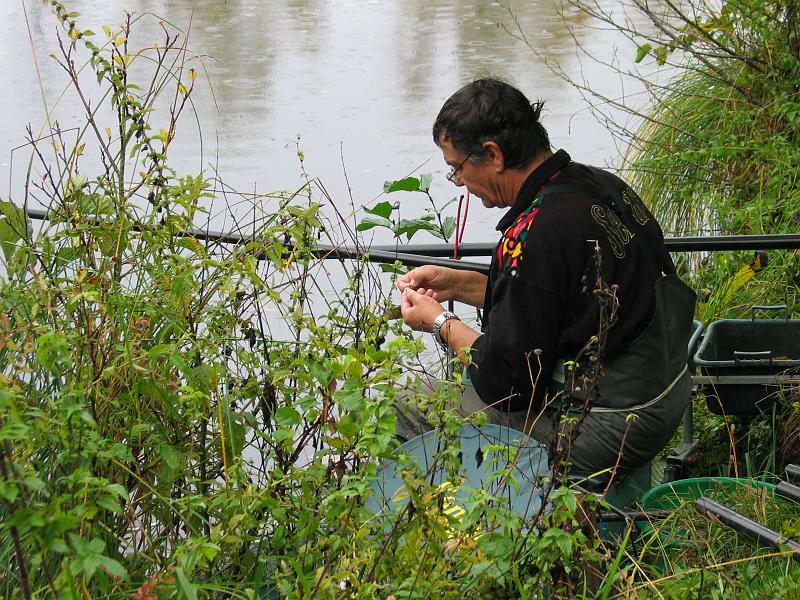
[[438, 283], [419, 310]]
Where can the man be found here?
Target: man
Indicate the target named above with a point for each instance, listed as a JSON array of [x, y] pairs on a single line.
[[538, 301]]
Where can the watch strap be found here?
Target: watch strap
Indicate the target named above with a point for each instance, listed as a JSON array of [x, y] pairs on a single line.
[[437, 326]]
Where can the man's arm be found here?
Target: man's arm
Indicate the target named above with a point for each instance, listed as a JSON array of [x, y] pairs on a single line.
[[460, 337], [471, 288]]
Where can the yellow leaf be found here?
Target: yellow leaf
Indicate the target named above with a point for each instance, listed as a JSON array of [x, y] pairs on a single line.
[[79, 150], [108, 132], [192, 74], [182, 89], [107, 30]]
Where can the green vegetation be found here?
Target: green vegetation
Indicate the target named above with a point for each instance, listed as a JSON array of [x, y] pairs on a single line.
[[718, 153], [675, 546], [186, 418], [181, 417]]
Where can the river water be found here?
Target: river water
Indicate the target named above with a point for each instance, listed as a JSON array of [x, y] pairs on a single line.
[[354, 84]]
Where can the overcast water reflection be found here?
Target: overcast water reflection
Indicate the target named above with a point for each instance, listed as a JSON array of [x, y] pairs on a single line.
[[359, 82]]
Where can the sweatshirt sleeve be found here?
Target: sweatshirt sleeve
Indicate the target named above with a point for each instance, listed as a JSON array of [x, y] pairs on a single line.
[[506, 369]]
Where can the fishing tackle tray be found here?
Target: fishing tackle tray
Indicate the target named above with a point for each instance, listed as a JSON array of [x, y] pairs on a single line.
[[743, 363]]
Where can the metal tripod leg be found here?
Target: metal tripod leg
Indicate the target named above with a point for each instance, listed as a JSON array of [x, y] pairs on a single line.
[[680, 459]]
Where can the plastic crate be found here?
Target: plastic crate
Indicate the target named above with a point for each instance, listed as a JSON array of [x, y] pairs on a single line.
[[747, 347], [694, 339]]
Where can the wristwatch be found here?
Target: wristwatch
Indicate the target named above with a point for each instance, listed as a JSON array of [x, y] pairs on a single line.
[[437, 326]]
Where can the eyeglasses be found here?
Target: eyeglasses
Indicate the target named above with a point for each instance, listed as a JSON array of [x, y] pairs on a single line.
[[451, 176]]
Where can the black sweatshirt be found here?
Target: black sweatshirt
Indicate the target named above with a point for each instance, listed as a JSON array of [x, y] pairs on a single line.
[[539, 294]]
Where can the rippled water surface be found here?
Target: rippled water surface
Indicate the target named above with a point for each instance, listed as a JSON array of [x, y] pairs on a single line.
[[359, 82]]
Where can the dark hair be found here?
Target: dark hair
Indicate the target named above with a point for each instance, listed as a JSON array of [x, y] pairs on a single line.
[[490, 109]]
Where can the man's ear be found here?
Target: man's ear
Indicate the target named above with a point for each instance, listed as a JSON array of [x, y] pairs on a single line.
[[495, 155]]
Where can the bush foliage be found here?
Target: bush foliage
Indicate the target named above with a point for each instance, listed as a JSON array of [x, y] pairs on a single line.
[[182, 416], [185, 417]]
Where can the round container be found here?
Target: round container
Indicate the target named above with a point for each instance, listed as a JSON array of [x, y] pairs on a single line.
[[480, 461], [670, 496]]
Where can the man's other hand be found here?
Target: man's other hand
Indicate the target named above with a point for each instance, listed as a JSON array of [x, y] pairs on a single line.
[[438, 283], [419, 310]]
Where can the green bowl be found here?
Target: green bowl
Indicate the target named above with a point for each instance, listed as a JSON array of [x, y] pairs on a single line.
[[670, 496]]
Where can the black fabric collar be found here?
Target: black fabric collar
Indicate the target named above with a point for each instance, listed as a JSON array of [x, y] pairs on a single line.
[[532, 185]]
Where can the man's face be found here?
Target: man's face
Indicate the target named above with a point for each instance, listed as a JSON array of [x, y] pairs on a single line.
[[480, 179]]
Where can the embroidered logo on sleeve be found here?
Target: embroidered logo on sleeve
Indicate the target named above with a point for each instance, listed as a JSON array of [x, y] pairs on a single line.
[[512, 244]]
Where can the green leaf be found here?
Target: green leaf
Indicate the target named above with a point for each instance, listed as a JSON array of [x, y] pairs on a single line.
[[13, 227], [397, 268], [370, 221], [109, 504], [564, 543], [184, 285], [193, 245], [351, 396], [114, 568], [8, 491], [411, 226], [189, 590], [14, 431], [112, 241], [425, 181], [53, 352], [90, 564], [58, 545], [34, 483], [283, 436], [169, 457], [66, 255], [319, 372], [118, 489], [409, 184], [286, 416], [661, 55], [347, 427], [93, 204], [641, 52], [26, 518], [382, 209], [448, 227]]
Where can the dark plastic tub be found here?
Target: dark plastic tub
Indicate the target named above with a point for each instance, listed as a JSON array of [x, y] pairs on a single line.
[[694, 339], [747, 347]]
